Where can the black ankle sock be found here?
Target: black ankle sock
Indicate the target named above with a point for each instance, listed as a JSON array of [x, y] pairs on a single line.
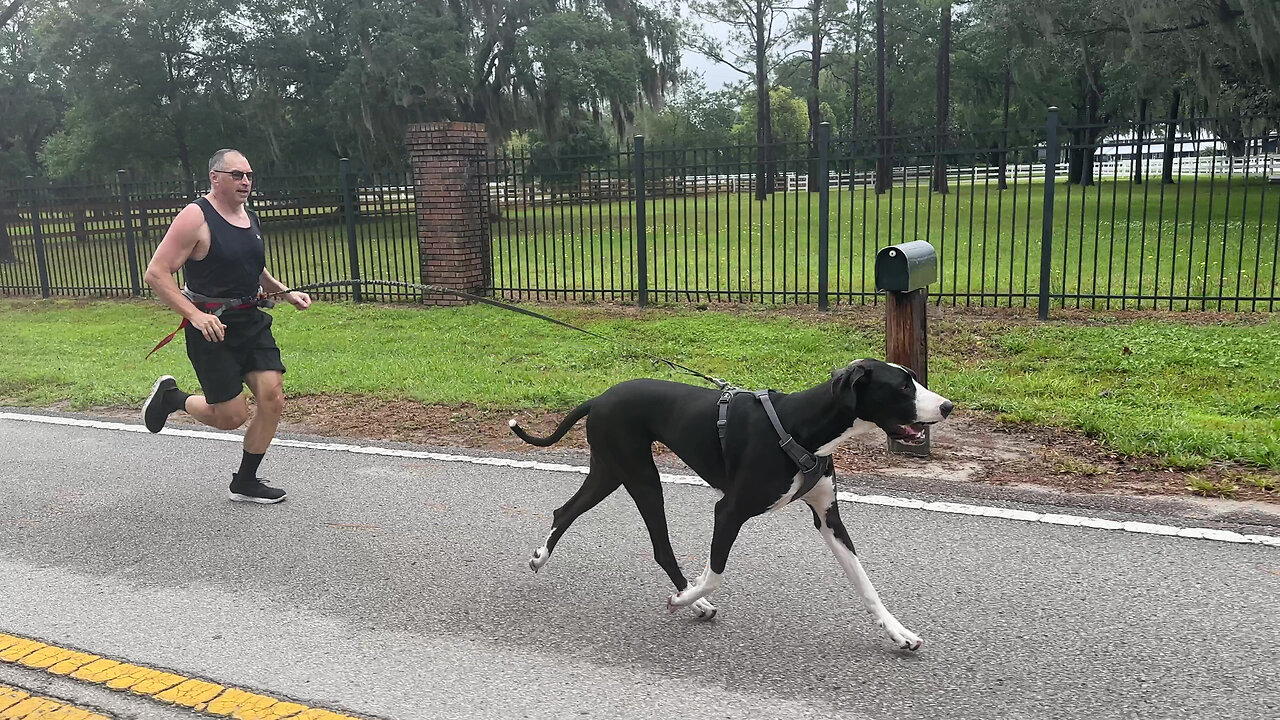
[[175, 399], [249, 467]]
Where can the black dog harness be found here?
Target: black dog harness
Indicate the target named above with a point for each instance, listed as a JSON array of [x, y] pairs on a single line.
[[811, 466]]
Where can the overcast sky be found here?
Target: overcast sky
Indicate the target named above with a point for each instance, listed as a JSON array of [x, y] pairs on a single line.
[[715, 75]]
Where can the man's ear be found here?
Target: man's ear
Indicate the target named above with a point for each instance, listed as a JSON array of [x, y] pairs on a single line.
[[843, 379]]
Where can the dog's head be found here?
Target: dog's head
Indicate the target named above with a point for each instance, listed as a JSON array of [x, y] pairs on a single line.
[[889, 396]]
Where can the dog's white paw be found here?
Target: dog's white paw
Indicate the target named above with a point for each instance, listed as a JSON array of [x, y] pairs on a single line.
[[690, 597], [902, 637], [540, 558], [703, 609]]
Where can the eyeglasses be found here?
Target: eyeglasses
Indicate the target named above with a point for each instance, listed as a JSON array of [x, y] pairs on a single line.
[[237, 175]]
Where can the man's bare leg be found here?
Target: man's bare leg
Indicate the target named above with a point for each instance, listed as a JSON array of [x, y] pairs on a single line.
[[267, 387], [227, 415], [268, 393]]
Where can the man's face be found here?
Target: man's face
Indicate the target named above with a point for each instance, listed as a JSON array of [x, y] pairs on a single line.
[[234, 180]]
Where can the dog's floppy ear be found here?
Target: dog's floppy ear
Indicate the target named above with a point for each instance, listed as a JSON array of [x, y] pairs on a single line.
[[843, 379]]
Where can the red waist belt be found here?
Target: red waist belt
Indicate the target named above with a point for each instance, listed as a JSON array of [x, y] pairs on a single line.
[[209, 307]]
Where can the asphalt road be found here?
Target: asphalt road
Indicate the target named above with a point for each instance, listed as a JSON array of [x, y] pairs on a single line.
[[398, 587]]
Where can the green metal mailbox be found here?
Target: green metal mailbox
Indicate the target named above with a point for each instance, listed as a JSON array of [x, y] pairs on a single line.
[[906, 267]]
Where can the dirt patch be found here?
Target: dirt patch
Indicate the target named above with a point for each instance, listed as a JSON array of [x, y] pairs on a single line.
[[972, 447]]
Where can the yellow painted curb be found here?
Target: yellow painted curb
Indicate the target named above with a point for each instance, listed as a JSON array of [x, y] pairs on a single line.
[[203, 696], [17, 704]]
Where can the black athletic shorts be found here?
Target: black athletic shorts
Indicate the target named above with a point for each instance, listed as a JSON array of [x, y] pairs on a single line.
[[248, 345]]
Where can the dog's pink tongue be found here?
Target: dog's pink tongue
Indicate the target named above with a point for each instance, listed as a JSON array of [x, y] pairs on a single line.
[[911, 432]]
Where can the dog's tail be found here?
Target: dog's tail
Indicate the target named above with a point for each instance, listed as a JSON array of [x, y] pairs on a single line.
[[574, 416]]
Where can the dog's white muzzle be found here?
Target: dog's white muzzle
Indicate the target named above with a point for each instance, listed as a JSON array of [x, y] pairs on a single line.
[[930, 406]]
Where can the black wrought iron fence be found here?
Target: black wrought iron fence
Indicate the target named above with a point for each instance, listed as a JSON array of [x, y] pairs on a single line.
[[84, 238], [1175, 214], [1172, 214]]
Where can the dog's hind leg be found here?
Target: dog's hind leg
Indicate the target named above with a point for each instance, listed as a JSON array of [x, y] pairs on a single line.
[[729, 522], [600, 483], [826, 518], [646, 489]]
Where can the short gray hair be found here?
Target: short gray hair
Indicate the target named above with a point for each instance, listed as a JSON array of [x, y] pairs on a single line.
[[215, 162]]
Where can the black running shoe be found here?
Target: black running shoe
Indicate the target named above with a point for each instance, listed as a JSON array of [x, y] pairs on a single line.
[[254, 492], [155, 411]]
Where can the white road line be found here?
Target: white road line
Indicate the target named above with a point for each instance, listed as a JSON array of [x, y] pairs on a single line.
[[1196, 533]]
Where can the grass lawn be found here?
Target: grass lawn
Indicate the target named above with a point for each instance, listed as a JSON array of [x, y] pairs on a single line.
[[1201, 238], [1191, 393]]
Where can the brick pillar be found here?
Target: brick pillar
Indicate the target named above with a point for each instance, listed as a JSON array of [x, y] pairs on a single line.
[[453, 218]]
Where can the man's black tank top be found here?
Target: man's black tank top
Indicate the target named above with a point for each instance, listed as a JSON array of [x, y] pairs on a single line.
[[235, 261]]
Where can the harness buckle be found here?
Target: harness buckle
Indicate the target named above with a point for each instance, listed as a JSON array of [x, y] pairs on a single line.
[[803, 458]]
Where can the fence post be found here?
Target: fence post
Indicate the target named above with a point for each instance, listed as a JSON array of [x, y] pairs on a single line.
[[642, 241], [37, 234], [824, 207], [130, 241], [349, 209], [1046, 228]]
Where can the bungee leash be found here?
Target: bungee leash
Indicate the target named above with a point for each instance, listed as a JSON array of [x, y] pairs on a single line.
[[265, 299], [811, 467]]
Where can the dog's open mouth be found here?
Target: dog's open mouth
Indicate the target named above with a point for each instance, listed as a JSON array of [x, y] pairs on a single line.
[[912, 434]]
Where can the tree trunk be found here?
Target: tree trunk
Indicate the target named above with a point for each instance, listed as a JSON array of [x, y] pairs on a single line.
[[1091, 133], [943, 115], [1140, 143], [884, 170], [1231, 132], [762, 109], [1170, 133], [857, 90], [10, 11], [6, 243], [815, 112], [184, 151], [857, 72], [1086, 136], [1075, 155], [1004, 122], [177, 116]]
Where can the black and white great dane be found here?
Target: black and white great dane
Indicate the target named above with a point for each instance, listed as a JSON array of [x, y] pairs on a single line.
[[750, 470]]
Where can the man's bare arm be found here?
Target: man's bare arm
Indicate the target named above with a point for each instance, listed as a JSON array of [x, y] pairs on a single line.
[[269, 284], [172, 253]]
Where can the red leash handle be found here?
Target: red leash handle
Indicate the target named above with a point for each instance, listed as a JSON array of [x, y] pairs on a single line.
[[169, 337]]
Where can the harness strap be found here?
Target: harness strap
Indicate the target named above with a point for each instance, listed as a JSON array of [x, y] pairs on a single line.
[[811, 466], [722, 422]]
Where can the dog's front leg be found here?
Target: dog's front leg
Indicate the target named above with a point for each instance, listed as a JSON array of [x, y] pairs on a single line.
[[728, 524], [826, 516]]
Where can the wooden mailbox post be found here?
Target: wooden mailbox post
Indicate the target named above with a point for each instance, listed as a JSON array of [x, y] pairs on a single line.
[[903, 273]]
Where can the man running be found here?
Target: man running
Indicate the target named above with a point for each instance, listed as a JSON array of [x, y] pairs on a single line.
[[217, 242]]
